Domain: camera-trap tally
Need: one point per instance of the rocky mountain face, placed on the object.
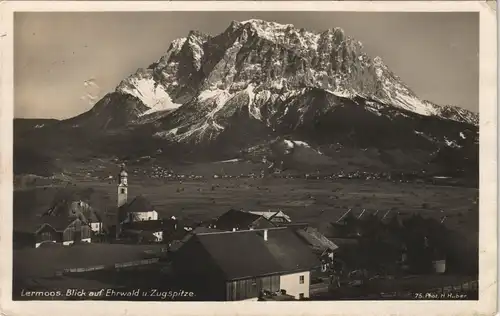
(260, 80)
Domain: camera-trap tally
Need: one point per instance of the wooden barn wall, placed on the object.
(250, 288)
(77, 231)
(47, 233)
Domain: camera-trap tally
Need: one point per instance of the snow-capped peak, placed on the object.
(213, 70)
(267, 24)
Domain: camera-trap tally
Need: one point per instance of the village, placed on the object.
(239, 255)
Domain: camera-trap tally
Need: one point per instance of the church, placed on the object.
(139, 209)
(137, 220)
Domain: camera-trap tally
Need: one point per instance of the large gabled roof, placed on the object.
(246, 254)
(59, 223)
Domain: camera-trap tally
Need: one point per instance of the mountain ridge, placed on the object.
(259, 80)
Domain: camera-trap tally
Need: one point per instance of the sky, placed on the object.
(65, 62)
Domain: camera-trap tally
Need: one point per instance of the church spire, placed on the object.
(122, 186)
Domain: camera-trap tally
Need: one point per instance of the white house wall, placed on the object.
(44, 242)
(96, 227)
(159, 236)
(70, 242)
(291, 284)
(144, 216)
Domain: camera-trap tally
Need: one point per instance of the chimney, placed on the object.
(265, 234)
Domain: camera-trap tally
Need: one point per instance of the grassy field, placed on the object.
(318, 202)
(31, 262)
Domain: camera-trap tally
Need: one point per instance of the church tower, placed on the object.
(122, 186)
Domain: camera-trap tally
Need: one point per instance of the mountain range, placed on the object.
(263, 90)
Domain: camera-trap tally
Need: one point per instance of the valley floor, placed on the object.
(317, 202)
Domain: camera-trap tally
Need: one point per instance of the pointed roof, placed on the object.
(59, 223)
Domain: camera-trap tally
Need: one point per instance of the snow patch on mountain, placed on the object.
(149, 92)
(253, 108)
(294, 144)
(219, 97)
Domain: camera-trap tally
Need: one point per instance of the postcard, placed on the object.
(248, 158)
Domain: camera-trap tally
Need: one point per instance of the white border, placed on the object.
(488, 168)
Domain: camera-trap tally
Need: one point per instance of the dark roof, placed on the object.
(150, 225)
(294, 225)
(315, 239)
(177, 244)
(344, 241)
(236, 219)
(246, 254)
(59, 223)
(138, 205)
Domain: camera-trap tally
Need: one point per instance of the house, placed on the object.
(246, 264)
(274, 216)
(64, 223)
(147, 231)
(77, 208)
(234, 220)
(61, 229)
(92, 217)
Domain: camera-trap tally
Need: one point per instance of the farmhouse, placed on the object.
(148, 231)
(66, 222)
(234, 220)
(53, 229)
(246, 265)
(92, 217)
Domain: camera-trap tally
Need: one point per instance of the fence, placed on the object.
(109, 267)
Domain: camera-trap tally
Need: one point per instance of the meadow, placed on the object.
(318, 202)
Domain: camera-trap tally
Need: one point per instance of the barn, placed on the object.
(246, 265)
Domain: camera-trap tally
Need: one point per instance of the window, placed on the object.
(301, 279)
(122, 191)
(301, 296)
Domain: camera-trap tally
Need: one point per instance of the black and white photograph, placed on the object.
(239, 155)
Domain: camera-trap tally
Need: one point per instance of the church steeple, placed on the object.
(122, 186)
